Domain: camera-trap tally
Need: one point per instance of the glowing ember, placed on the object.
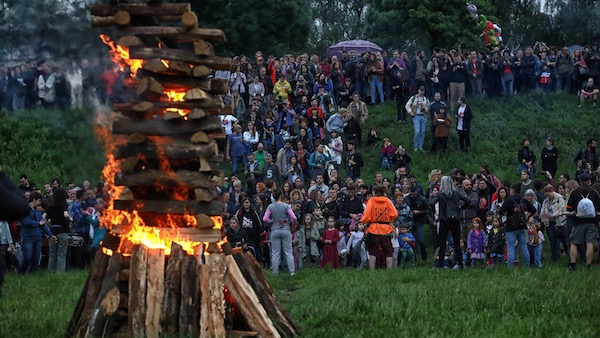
(175, 96)
(120, 56)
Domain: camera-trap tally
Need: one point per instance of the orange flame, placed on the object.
(175, 96)
(120, 56)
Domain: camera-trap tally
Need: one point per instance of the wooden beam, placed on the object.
(212, 208)
(155, 281)
(140, 9)
(189, 319)
(247, 301)
(175, 149)
(203, 48)
(189, 179)
(189, 20)
(214, 62)
(137, 290)
(165, 128)
(103, 316)
(214, 86)
(207, 235)
(172, 299)
(178, 33)
(212, 300)
(142, 109)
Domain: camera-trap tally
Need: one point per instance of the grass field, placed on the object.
(417, 302)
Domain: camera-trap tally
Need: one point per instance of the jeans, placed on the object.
(508, 84)
(281, 237)
(555, 241)
(419, 123)
(376, 86)
(563, 81)
(476, 86)
(535, 252)
(511, 238)
(57, 260)
(32, 249)
(464, 139)
(419, 234)
(410, 254)
(359, 85)
(235, 160)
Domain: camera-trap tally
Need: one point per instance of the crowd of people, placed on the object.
(60, 231)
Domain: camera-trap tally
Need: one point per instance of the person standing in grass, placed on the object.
(280, 216)
(516, 227)
(407, 243)
(379, 215)
(495, 242)
(418, 108)
(58, 218)
(331, 237)
(32, 228)
(463, 116)
(449, 199)
(585, 229)
(476, 243)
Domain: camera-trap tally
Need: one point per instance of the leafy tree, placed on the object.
(335, 21)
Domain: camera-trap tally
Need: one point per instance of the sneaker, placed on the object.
(579, 106)
(293, 274)
(594, 104)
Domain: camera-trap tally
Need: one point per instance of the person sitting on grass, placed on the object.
(588, 90)
(386, 153)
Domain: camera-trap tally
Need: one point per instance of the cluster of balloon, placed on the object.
(491, 32)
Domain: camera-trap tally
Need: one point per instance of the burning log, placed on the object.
(189, 234)
(150, 89)
(136, 139)
(129, 164)
(140, 9)
(130, 41)
(190, 179)
(215, 35)
(214, 62)
(120, 18)
(156, 127)
(171, 207)
(214, 86)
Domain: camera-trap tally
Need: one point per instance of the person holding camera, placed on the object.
(458, 78)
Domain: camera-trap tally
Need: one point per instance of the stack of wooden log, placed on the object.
(148, 294)
(165, 165)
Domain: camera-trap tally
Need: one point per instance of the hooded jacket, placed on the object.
(379, 215)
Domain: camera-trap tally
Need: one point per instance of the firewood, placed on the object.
(103, 21)
(203, 221)
(128, 126)
(139, 107)
(200, 137)
(124, 275)
(213, 86)
(128, 165)
(156, 66)
(205, 195)
(189, 319)
(180, 67)
(130, 41)
(201, 71)
(94, 285)
(189, 20)
(126, 195)
(212, 300)
(122, 18)
(140, 9)
(171, 115)
(190, 179)
(215, 35)
(203, 48)
(172, 299)
(214, 62)
(196, 94)
(137, 291)
(204, 165)
(247, 301)
(150, 89)
(191, 234)
(214, 106)
(172, 150)
(136, 138)
(103, 316)
(254, 275)
(197, 114)
(76, 316)
(212, 208)
(155, 280)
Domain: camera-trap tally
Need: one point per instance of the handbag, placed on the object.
(76, 241)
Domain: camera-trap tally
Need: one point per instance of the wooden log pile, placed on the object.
(165, 167)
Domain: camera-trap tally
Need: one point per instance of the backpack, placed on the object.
(517, 220)
(585, 208)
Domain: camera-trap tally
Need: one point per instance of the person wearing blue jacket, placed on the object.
(32, 228)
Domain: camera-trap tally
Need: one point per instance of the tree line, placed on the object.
(62, 29)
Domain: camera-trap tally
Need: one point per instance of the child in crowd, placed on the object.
(476, 243)
(310, 252)
(448, 258)
(489, 219)
(342, 243)
(373, 138)
(296, 243)
(495, 242)
(466, 256)
(535, 239)
(395, 246)
(407, 243)
(356, 244)
(316, 234)
(331, 237)
(236, 236)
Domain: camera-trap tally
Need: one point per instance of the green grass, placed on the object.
(417, 302)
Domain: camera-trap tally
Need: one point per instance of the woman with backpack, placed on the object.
(449, 199)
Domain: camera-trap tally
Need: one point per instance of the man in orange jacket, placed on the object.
(379, 216)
